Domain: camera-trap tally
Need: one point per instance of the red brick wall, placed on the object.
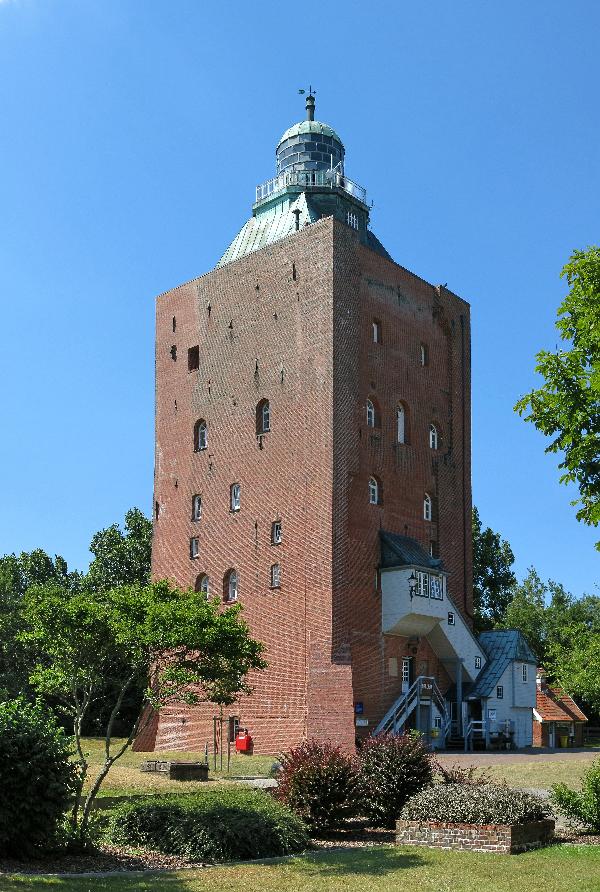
(507, 839)
(306, 345)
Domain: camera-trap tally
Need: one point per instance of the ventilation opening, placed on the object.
(193, 358)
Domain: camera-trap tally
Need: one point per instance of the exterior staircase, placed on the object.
(423, 692)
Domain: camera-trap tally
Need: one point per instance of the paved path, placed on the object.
(517, 758)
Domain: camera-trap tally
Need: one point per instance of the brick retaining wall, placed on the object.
(508, 839)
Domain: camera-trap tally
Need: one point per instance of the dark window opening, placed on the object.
(174, 352)
(193, 358)
(174, 323)
(451, 620)
(294, 271)
(263, 418)
(156, 510)
(500, 692)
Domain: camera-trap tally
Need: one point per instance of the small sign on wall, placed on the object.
(362, 723)
(359, 708)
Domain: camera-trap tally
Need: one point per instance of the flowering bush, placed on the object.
(475, 804)
(318, 782)
(581, 808)
(392, 769)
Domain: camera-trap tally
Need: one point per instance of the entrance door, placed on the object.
(551, 735)
(407, 674)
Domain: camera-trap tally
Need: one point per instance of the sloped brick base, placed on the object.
(508, 839)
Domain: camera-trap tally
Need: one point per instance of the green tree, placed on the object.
(567, 406)
(121, 558)
(86, 641)
(527, 612)
(493, 577)
(573, 659)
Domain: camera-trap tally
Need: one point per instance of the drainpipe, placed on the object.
(459, 696)
(484, 716)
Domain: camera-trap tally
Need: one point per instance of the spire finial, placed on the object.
(310, 103)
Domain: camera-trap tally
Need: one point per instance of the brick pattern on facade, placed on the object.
(292, 323)
(506, 839)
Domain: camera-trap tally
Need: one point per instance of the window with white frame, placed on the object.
(230, 585)
(352, 219)
(478, 662)
(263, 418)
(370, 414)
(196, 507)
(235, 497)
(374, 491)
(275, 575)
(524, 673)
(376, 331)
(424, 354)
(500, 692)
(437, 722)
(276, 532)
(427, 508)
(406, 669)
(433, 437)
(436, 587)
(451, 618)
(401, 424)
(200, 435)
(202, 584)
(422, 585)
(194, 548)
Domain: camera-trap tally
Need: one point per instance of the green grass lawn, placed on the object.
(361, 870)
(540, 773)
(126, 778)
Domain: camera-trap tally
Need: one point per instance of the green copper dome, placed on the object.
(309, 127)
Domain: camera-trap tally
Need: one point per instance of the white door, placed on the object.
(551, 735)
(405, 674)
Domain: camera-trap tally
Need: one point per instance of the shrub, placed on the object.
(38, 778)
(456, 774)
(219, 825)
(581, 808)
(392, 769)
(318, 782)
(472, 804)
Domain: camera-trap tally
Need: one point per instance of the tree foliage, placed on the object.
(121, 558)
(567, 406)
(493, 577)
(90, 642)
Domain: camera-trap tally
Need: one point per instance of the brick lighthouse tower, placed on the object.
(313, 461)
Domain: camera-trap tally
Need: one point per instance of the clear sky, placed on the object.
(132, 135)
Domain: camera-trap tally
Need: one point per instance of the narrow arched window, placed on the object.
(275, 576)
(263, 418)
(427, 507)
(375, 491)
(376, 329)
(200, 435)
(401, 424)
(235, 497)
(196, 507)
(424, 354)
(202, 585)
(370, 414)
(230, 585)
(433, 437)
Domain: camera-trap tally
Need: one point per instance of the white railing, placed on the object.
(329, 179)
(475, 729)
(423, 689)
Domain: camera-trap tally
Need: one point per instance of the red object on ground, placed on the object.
(244, 742)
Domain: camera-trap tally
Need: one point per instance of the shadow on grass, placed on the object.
(360, 862)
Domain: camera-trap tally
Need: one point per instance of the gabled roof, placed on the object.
(501, 648)
(402, 551)
(554, 705)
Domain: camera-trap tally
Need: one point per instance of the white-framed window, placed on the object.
(427, 512)
(202, 584)
(194, 548)
(406, 670)
(235, 492)
(276, 532)
(200, 435)
(196, 507)
(524, 673)
(433, 437)
(374, 491)
(352, 219)
(437, 722)
(436, 587)
(376, 331)
(230, 585)
(500, 692)
(275, 575)
(422, 586)
(424, 354)
(370, 414)
(451, 618)
(263, 417)
(478, 662)
(401, 424)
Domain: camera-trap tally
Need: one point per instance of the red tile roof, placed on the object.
(553, 705)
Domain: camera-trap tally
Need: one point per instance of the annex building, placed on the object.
(313, 462)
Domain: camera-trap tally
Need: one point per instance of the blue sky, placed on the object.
(132, 135)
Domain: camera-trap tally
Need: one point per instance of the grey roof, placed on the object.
(501, 648)
(309, 127)
(402, 551)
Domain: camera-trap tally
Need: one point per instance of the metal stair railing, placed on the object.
(395, 718)
(475, 727)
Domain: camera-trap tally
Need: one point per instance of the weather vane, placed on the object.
(311, 92)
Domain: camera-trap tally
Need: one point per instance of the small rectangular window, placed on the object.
(436, 589)
(437, 722)
(235, 497)
(276, 532)
(196, 507)
(156, 510)
(194, 548)
(193, 358)
(275, 576)
(451, 619)
(406, 669)
(478, 662)
(234, 725)
(422, 584)
(424, 354)
(524, 672)
(376, 331)
(500, 692)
